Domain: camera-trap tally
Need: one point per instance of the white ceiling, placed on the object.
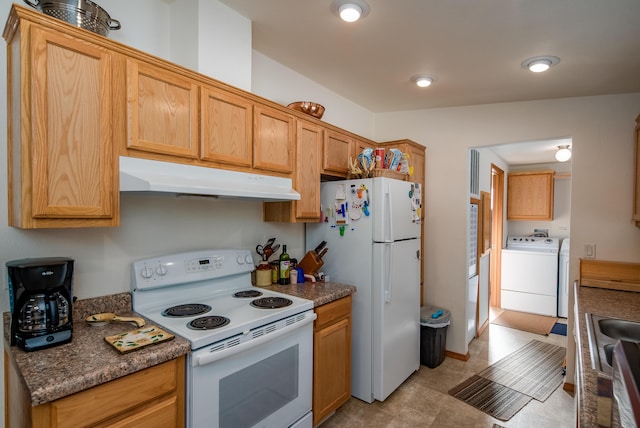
(474, 49)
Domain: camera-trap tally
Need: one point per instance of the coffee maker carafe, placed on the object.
(40, 292)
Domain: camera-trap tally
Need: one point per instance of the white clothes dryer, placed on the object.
(529, 281)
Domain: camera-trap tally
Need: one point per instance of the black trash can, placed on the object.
(433, 335)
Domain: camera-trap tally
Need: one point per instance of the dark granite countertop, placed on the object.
(610, 303)
(88, 361)
(320, 292)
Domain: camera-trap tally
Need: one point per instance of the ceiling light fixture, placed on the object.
(350, 10)
(422, 80)
(539, 64)
(563, 154)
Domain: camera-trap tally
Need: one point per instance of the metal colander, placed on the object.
(82, 13)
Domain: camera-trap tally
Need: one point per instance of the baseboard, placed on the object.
(455, 355)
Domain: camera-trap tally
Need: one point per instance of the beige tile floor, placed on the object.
(422, 400)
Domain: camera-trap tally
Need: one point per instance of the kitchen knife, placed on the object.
(320, 247)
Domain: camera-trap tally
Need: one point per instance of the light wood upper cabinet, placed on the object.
(162, 110)
(227, 135)
(417, 157)
(336, 151)
(306, 179)
(273, 138)
(359, 145)
(60, 116)
(307, 176)
(636, 183)
(530, 195)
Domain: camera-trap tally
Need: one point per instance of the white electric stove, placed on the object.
(207, 297)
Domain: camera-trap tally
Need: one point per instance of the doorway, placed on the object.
(497, 216)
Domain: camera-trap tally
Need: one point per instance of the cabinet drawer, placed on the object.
(116, 397)
(163, 414)
(332, 312)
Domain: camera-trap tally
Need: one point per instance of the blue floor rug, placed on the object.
(560, 329)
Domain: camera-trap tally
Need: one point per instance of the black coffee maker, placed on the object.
(40, 295)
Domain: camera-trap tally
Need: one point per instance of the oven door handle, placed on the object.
(201, 360)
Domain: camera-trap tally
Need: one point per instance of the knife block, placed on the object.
(310, 263)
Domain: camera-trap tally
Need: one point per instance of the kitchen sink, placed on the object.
(604, 333)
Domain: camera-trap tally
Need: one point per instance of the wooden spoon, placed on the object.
(103, 318)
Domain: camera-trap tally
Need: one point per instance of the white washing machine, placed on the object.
(563, 280)
(529, 280)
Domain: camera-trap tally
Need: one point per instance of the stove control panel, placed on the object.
(189, 266)
(204, 264)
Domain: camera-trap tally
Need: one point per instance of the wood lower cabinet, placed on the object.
(331, 357)
(530, 195)
(150, 398)
(306, 179)
(61, 155)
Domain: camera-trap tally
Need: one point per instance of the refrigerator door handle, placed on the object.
(389, 210)
(387, 286)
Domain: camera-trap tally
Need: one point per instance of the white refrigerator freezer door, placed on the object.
(395, 315)
(392, 208)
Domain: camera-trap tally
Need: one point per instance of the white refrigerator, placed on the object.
(372, 230)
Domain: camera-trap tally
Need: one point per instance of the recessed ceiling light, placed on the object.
(539, 64)
(563, 154)
(422, 80)
(350, 10)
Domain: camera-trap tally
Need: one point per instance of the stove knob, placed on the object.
(146, 272)
(240, 260)
(161, 270)
(248, 259)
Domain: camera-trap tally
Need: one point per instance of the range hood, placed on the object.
(143, 175)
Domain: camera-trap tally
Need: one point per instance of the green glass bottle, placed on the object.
(284, 267)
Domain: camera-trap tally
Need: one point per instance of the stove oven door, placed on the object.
(265, 381)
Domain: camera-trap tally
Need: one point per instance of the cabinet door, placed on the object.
(307, 175)
(227, 135)
(273, 139)
(336, 151)
(359, 146)
(530, 196)
(636, 183)
(417, 160)
(331, 368)
(162, 111)
(72, 157)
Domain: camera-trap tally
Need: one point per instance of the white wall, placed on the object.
(601, 185)
(278, 83)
